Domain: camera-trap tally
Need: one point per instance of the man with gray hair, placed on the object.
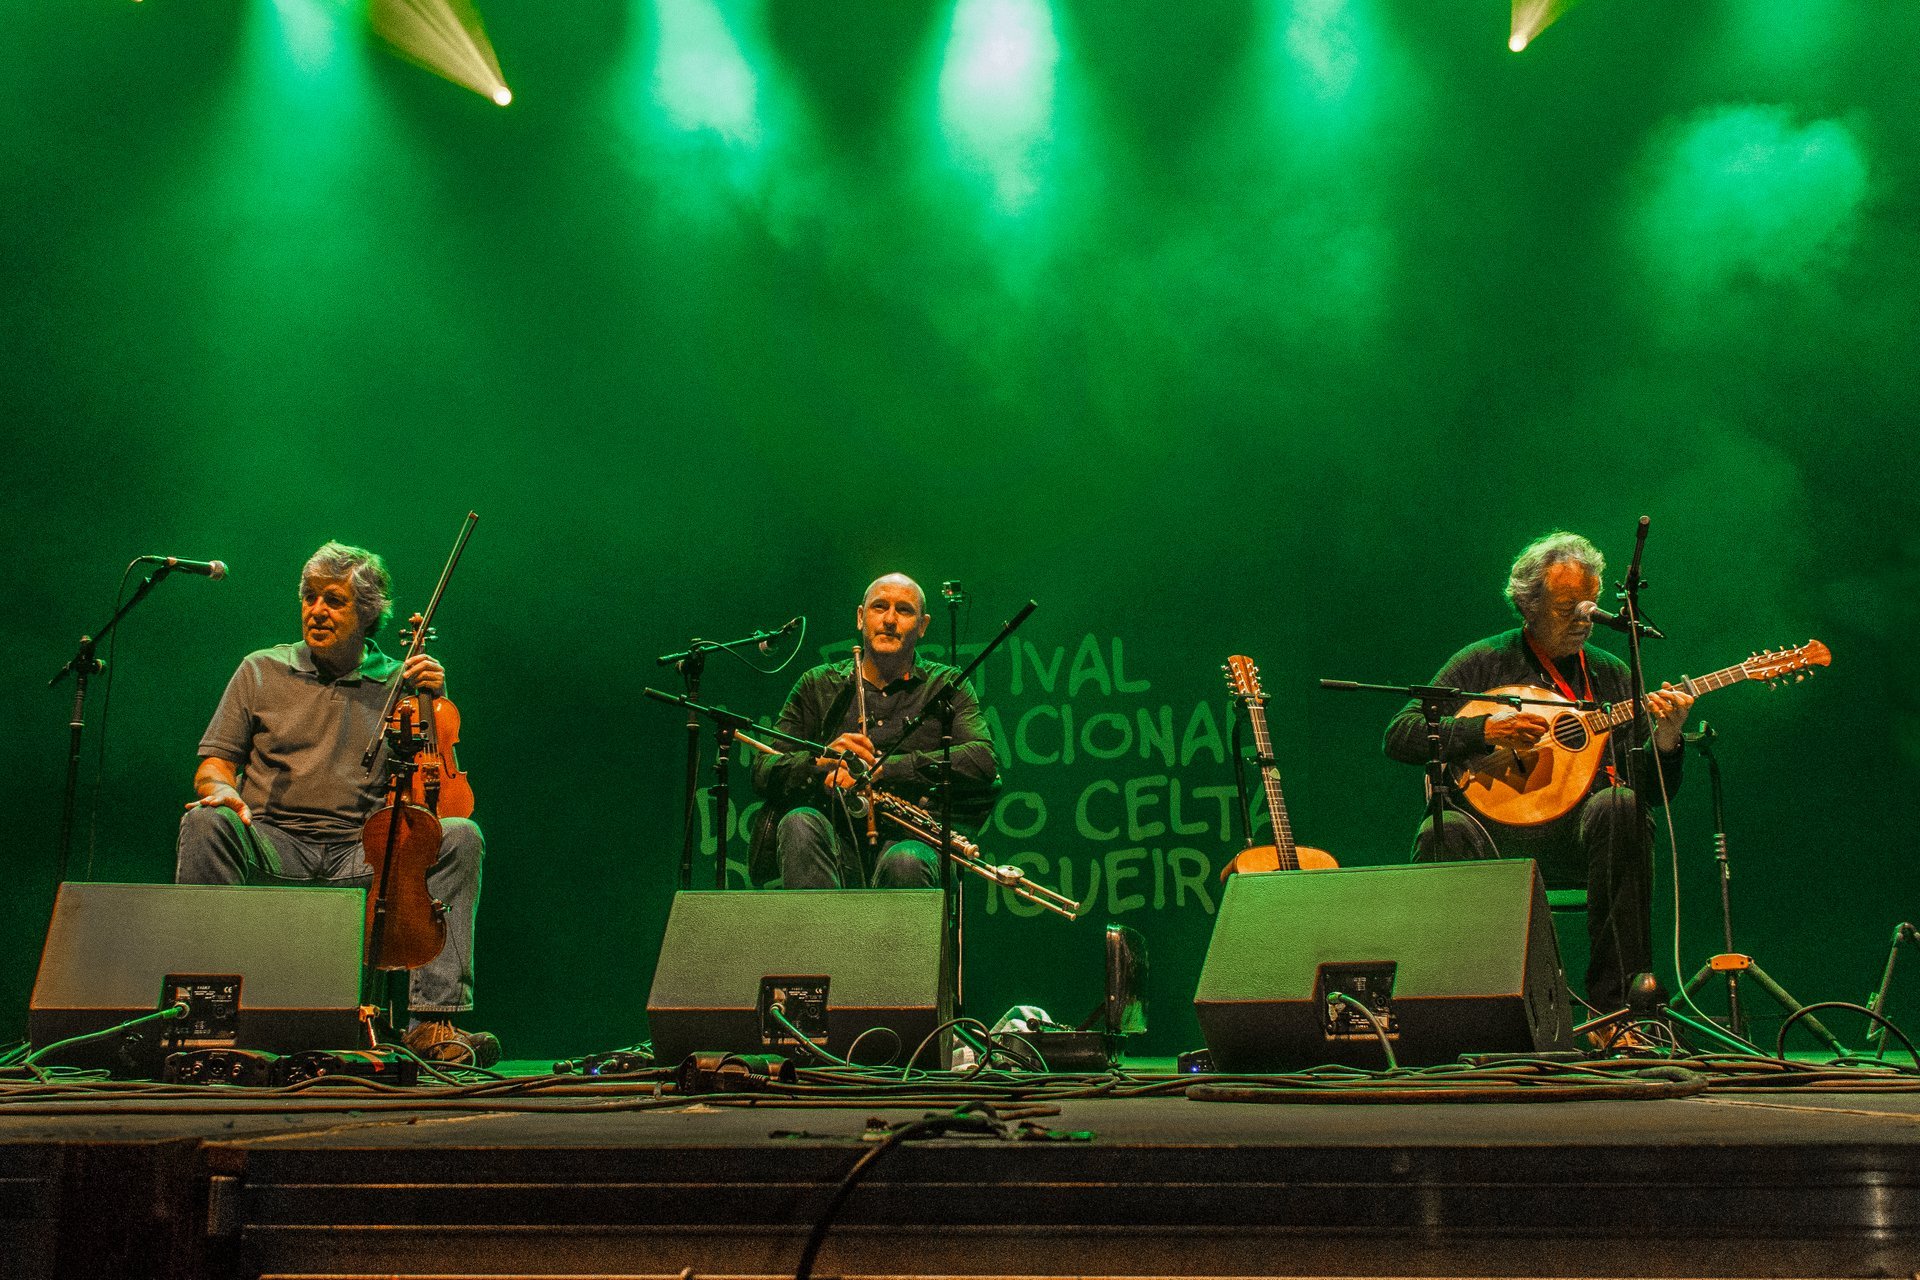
(282, 794)
(818, 842)
(1604, 844)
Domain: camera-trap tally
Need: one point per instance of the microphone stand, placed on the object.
(1704, 741)
(691, 662)
(727, 726)
(84, 665)
(941, 704)
(1628, 593)
(950, 884)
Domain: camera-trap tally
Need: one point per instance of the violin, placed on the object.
(438, 783)
(406, 928)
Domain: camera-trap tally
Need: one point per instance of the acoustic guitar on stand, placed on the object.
(1528, 786)
(1243, 680)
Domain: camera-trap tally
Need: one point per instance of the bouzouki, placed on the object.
(1243, 679)
(1528, 786)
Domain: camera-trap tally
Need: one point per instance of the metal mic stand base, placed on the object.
(1734, 965)
(1877, 1035)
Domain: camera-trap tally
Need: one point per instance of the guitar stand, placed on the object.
(1877, 1035)
(1732, 964)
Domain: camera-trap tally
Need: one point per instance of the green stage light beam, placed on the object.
(445, 37)
(997, 85)
(701, 79)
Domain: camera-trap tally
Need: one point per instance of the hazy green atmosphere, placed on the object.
(1265, 327)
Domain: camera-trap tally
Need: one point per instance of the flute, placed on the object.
(860, 701)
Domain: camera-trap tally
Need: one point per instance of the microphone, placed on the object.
(1639, 546)
(1588, 611)
(792, 625)
(215, 569)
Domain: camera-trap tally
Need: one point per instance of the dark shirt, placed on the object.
(1508, 659)
(822, 707)
(297, 740)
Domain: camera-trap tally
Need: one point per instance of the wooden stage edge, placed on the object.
(1789, 1182)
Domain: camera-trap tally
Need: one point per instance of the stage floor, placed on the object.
(623, 1178)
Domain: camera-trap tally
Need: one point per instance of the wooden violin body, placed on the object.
(405, 927)
(438, 784)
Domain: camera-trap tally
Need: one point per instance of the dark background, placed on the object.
(1269, 328)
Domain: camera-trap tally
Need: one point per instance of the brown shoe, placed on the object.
(438, 1040)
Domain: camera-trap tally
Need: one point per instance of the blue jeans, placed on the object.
(813, 855)
(214, 848)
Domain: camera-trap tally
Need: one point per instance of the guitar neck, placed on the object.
(1270, 778)
(1621, 712)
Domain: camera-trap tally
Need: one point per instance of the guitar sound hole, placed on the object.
(1569, 732)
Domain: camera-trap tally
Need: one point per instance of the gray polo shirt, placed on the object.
(297, 740)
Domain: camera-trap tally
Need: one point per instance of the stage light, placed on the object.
(1530, 18)
(445, 37)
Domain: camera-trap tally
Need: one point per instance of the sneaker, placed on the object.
(438, 1040)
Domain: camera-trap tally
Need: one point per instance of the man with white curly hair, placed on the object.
(1605, 843)
(282, 794)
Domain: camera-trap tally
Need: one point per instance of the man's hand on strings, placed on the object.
(1516, 729)
(1669, 707)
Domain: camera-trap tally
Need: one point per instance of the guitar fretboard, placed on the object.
(1270, 778)
(1621, 712)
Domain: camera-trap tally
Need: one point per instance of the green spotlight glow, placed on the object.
(997, 93)
(700, 77)
(308, 36)
(1323, 43)
(1749, 193)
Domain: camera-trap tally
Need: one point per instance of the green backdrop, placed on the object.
(1271, 328)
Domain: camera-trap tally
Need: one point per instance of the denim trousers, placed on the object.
(813, 855)
(216, 848)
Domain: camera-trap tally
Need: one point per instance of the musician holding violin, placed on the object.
(283, 795)
(817, 829)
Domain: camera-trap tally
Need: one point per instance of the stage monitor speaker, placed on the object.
(110, 947)
(879, 951)
(1456, 958)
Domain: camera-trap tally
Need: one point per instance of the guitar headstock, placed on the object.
(1243, 680)
(1776, 665)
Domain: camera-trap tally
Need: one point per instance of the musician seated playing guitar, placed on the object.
(1534, 798)
(814, 829)
(283, 795)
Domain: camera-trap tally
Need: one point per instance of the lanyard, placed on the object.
(1566, 690)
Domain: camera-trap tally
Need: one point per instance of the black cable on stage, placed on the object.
(959, 1120)
(1780, 1044)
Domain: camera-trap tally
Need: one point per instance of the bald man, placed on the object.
(812, 834)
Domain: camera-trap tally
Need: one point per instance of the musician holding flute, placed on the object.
(822, 834)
